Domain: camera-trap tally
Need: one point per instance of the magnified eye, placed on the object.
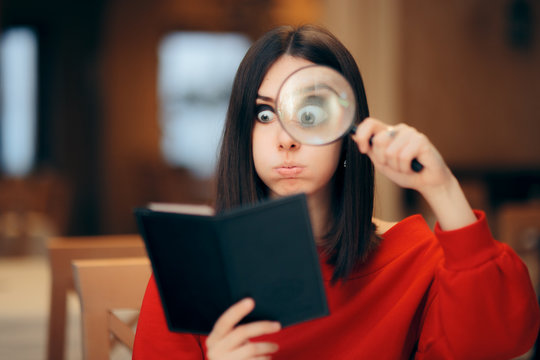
(311, 115)
(265, 114)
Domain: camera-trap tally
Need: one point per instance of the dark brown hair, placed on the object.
(351, 236)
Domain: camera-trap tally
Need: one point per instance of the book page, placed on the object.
(193, 209)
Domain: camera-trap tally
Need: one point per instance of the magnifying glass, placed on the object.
(316, 106)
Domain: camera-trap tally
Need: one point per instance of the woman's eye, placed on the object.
(311, 115)
(265, 116)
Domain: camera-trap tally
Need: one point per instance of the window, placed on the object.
(18, 85)
(196, 72)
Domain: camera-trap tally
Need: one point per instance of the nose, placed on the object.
(286, 142)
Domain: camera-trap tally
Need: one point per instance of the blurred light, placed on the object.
(18, 83)
(196, 72)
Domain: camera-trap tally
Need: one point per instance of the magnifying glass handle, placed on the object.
(416, 166)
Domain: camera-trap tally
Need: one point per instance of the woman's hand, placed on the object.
(228, 340)
(392, 150)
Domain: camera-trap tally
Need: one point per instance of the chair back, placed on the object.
(62, 251)
(519, 227)
(105, 285)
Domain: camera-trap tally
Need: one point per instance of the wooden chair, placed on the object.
(104, 285)
(62, 251)
(32, 209)
(518, 225)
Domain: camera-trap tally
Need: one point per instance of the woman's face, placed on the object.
(283, 164)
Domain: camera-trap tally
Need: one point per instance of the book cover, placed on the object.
(205, 263)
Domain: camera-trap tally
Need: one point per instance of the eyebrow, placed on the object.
(320, 86)
(265, 98)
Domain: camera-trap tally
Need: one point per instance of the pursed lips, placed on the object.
(289, 170)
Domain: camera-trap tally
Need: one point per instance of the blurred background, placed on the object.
(106, 105)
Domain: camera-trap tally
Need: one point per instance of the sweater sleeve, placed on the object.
(153, 340)
(481, 304)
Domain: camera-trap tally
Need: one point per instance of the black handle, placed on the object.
(416, 166)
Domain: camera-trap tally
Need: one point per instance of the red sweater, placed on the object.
(444, 295)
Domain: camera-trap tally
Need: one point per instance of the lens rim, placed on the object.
(352, 103)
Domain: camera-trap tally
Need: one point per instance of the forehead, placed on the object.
(278, 72)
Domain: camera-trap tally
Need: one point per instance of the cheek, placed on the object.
(259, 146)
(328, 160)
(333, 155)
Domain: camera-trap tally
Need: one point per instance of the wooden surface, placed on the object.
(62, 251)
(104, 285)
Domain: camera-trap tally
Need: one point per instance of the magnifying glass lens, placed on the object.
(316, 105)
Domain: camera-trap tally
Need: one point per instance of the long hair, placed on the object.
(351, 235)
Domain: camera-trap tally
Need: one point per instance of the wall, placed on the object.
(133, 171)
(445, 67)
(450, 70)
(463, 82)
(370, 30)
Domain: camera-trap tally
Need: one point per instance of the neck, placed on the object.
(319, 205)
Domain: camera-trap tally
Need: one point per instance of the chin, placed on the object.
(281, 192)
(289, 191)
(311, 190)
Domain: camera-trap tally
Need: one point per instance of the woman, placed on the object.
(395, 291)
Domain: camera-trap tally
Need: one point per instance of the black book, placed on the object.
(203, 264)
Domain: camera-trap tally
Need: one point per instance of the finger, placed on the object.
(241, 334)
(400, 138)
(254, 349)
(365, 131)
(380, 143)
(228, 320)
(407, 154)
(413, 150)
(361, 136)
